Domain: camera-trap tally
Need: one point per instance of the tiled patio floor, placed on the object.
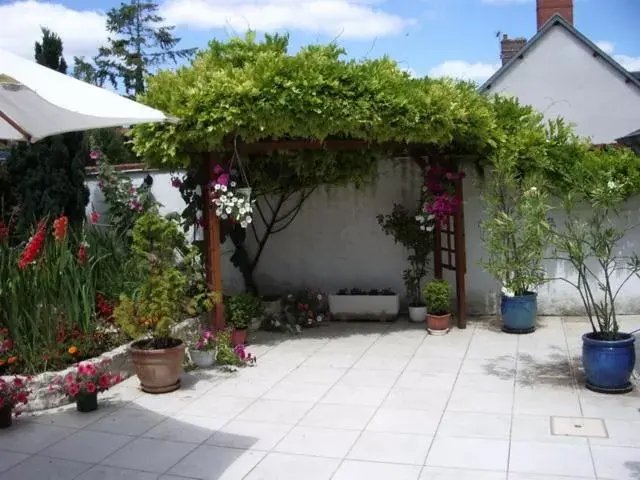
(350, 402)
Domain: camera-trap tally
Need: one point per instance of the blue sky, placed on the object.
(435, 37)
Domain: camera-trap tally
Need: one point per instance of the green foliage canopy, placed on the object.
(257, 90)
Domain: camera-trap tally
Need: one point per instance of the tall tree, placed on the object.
(47, 178)
(139, 40)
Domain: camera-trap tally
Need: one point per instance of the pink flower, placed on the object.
(95, 216)
(91, 387)
(104, 381)
(94, 155)
(73, 389)
(223, 179)
(116, 379)
(69, 379)
(217, 169)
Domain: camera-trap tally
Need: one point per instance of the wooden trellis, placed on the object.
(450, 254)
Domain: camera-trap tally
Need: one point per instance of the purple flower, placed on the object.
(223, 179)
(217, 169)
(176, 182)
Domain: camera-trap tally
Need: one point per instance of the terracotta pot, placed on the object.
(87, 402)
(438, 322)
(158, 369)
(5, 416)
(239, 337)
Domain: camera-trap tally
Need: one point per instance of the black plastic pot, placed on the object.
(5, 416)
(87, 402)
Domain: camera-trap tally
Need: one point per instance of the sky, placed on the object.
(458, 38)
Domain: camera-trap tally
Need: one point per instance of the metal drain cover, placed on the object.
(578, 427)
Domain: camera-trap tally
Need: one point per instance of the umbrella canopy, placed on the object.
(36, 102)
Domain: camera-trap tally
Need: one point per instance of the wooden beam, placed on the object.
(460, 258)
(212, 242)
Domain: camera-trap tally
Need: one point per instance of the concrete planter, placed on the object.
(364, 307)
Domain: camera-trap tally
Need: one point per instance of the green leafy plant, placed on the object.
(591, 241)
(413, 231)
(516, 227)
(159, 300)
(437, 294)
(242, 308)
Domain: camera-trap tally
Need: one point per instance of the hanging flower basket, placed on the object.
(229, 200)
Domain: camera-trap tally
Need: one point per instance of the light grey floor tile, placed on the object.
(249, 435)
(550, 459)
(44, 468)
(439, 473)
(9, 459)
(391, 447)
(149, 455)
(616, 463)
(87, 445)
(323, 442)
(101, 472)
(217, 463)
(31, 437)
(275, 411)
(282, 466)
(420, 422)
(351, 417)
(475, 425)
(479, 453)
(359, 470)
(186, 428)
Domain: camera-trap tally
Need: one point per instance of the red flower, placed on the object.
(4, 231)
(31, 251)
(73, 389)
(104, 381)
(60, 227)
(95, 216)
(91, 387)
(82, 254)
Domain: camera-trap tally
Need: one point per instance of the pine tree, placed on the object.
(47, 177)
(138, 42)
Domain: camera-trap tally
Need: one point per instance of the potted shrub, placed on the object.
(242, 309)
(84, 384)
(437, 294)
(14, 395)
(515, 231)
(205, 350)
(157, 303)
(360, 304)
(591, 242)
(305, 308)
(412, 230)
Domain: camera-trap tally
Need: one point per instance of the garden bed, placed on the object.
(43, 398)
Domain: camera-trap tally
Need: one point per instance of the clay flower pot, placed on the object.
(158, 369)
(439, 323)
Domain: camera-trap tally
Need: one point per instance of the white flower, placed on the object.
(290, 296)
(218, 212)
(248, 219)
(431, 216)
(228, 210)
(319, 297)
(533, 189)
(419, 218)
(217, 186)
(612, 185)
(233, 184)
(223, 216)
(243, 224)
(430, 228)
(423, 228)
(223, 188)
(319, 318)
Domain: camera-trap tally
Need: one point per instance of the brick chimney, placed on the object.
(509, 47)
(545, 9)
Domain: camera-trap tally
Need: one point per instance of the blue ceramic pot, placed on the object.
(608, 363)
(519, 313)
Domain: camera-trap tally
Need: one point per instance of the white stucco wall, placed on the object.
(335, 242)
(560, 77)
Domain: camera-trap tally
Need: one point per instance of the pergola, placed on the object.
(449, 239)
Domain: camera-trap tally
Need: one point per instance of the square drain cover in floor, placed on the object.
(578, 427)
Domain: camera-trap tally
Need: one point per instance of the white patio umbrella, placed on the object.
(36, 102)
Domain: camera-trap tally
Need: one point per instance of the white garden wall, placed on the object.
(335, 242)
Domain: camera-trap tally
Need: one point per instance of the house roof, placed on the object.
(553, 21)
(631, 140)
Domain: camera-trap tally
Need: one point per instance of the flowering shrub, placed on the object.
(230, 355)
(207, 342)
(88, 378)
(439, 190)
(229, 200)
(245, 357)
(305, 308)
(14, 394)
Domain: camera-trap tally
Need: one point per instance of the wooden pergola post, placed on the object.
(212, 242)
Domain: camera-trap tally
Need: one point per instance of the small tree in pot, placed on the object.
(437, 294)
(413, 230)
(241, 309)
(516, 231)
(157, 303)
(591, 242)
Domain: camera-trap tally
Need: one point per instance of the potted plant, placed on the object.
(360, 304)
(157, 303)
(305, 308)
(592, 246)
(205, 350)
(14, 394)
(413, 230)
(85, 383)
(242, 308)
(516, 232)
(437, 294)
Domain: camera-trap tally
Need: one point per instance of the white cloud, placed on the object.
(462, 70)
(627, 62)
(348, 18)
(82, 31)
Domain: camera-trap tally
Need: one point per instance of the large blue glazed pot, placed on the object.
(608, 363)
(519, 313)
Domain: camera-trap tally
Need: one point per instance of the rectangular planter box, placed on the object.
(364, 307)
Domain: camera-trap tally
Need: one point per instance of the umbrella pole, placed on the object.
(27, 136)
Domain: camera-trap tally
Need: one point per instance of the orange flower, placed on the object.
(60, 226)
(11, 360)
(73, 350)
